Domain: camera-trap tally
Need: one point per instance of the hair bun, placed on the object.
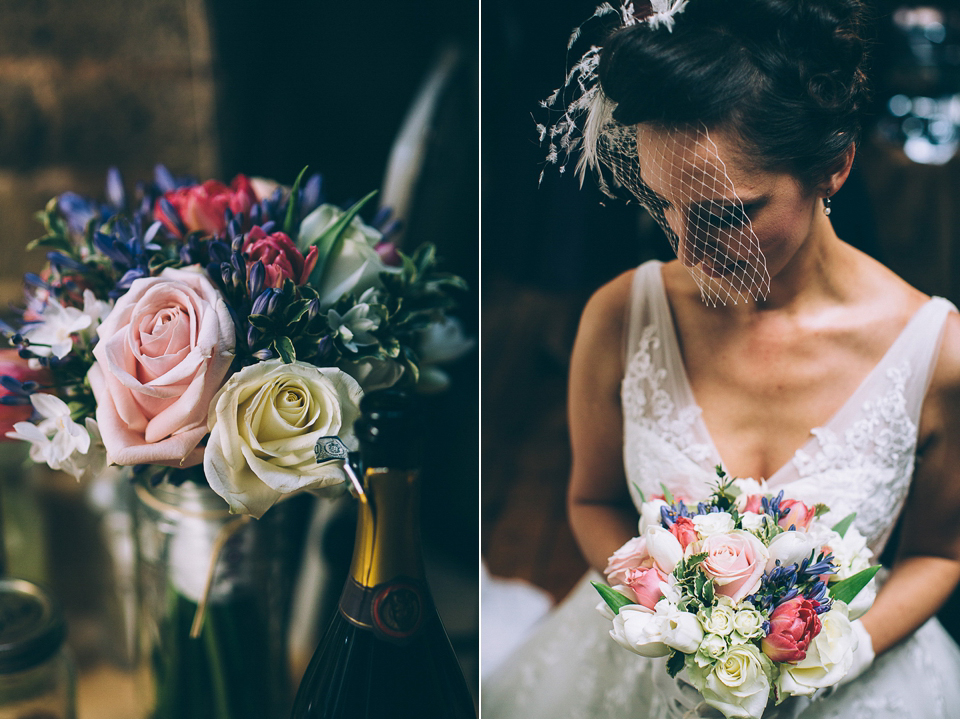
(791, 67)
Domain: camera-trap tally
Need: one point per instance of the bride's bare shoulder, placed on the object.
(603, 323)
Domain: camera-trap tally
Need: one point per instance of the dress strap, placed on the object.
(646, 296)
(919, 346)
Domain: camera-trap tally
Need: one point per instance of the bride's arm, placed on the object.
(927, 568)
(598, 503)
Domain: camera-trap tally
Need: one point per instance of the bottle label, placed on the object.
(392, 610)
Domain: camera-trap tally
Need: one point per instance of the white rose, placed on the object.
(718, 619)
(828, 659)
(264, 423)
(791, 547)
(650, 514)
(752, 522)
(636, 628)
(712, 647)
(664, 548)
(679, 630)
(738, 684)
(356, 266)
(713, 523)
(747, 624)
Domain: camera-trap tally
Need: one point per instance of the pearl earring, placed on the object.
(826, 205)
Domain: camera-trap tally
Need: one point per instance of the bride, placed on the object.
(770, 347)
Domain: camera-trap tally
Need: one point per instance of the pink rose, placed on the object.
(793, 625)
(202, 207)
(645, 583)
(798, 514)
(12, 365)
(163, 353)
(685, 531)
(735, 562)
(280, 257)
(631, 555)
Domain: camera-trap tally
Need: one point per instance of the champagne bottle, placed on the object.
(385, 653)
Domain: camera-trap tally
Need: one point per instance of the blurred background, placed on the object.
(212, 88)
(547, 248)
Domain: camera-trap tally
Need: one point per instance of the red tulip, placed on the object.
(793, 625)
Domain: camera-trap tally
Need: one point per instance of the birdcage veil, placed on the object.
(676, 173)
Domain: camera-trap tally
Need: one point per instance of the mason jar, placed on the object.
(37, 677)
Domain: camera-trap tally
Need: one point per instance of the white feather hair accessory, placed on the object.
(702, 215)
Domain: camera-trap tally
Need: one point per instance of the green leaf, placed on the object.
(639, 492)
(695, 559)
(675, 663)
(53, 241)
(284, 348)
(667, 495)
(331, 238)
(708, 593)
(847, 589)
(843, 525)
(292, 205)
(297, 310)
(261, 322)
(614, 599)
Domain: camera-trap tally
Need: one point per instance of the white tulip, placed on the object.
(791, 548)
(650, 514)
(637, 628)
(679, 630)
(665, 549)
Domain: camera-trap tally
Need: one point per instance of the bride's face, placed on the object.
(733, 223)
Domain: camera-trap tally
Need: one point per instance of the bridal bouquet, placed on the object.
(208, 337)
(750, 595)
(228, 326)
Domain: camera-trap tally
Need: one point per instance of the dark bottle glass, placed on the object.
(386, 654)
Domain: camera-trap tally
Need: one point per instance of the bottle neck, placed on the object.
(386, 591)
(387, 543)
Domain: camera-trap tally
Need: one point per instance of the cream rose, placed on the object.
(738, 684)
(264, 424)
(718, 619)
(163, 353)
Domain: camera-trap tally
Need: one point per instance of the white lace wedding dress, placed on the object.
(861, 460)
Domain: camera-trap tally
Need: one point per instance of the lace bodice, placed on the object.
(861, 460)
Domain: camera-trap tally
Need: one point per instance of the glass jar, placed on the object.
(214, 601)
(37, 679)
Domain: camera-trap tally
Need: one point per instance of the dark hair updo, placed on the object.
(784, 74)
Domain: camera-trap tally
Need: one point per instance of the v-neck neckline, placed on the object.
(672, 339)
